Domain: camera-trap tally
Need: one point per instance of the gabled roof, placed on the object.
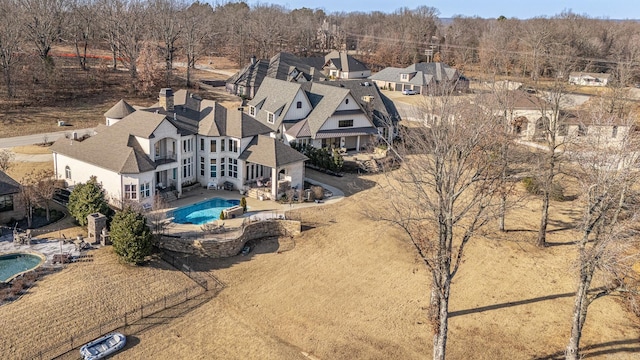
(115, 147)
(281, 64)
(220, 121)
(381, 109)
(8, 185)
(119, 110)
(267, 151)
(274, 96)
(513, 100)
(344, 62)
(251, 75)
(422, 74)
(325, 100)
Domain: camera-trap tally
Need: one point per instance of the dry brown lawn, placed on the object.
(80, 297)
(19, 170)
(353, 288)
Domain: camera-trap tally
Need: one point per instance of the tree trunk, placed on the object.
(579, 314)
(440, 337)
(542, 233)
(503, 212)
(7, 82)
(47, 208)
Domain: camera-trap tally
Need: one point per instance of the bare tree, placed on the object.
(43, 25)
(607, 249)
(44, 187)
(551, 130)
(6, 159)
(194, 22)
(82, 26)
(443, 192)
(167, 28)
(10, 41)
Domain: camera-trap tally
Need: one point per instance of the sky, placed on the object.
(522, 9)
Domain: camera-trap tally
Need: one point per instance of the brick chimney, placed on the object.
(166, 99)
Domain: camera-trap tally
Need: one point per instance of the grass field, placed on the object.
(350, 288)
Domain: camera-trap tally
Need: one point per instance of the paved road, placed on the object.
(39, 138)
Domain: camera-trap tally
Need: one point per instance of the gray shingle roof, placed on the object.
(115, 147)
(8, 185)
(267, 151)
(382, 110)
(344, 62)
(251, 75)
(274, 96)
(119, 110)
(423, 74)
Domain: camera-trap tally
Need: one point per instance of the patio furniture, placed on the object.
(228, 186)
(212, 185)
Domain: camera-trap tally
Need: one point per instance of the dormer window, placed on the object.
(299, 105)
(404, 77)
(270, 118)
(252, 110)
(346, 101)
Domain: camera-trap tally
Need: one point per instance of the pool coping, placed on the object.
(42, 257)
(171, 211)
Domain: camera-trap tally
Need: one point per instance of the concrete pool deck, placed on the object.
(46, 247)
(256, 209)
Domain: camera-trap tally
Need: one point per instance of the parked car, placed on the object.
(408, 92)
(245, 250)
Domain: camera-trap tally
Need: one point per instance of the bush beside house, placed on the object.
(131, 236)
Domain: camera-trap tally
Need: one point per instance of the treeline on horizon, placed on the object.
(139, 33)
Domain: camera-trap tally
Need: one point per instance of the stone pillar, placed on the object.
(95, 223)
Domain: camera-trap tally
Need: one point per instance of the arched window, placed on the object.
(67, 172)
(346, 101)
(299, 105)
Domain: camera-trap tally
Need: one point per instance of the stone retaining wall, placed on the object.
(217, 248)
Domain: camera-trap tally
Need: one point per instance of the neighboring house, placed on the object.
(340, 65)
(589, 79)
(10, 205)
(283, 66)
(423, 78)
(324, 115)
(525, 112)
(579, 127)
(181, 141)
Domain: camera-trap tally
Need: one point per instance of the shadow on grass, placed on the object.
(610, 348)
(509, 304)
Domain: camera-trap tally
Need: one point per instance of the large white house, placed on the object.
(181, 141)
(344, 114)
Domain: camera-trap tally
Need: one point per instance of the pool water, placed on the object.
(202, 212)
(12, 264)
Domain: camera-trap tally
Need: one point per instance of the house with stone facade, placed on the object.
(181, 142)
(344, 115)
(10, 205)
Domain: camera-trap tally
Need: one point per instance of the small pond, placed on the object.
(16, 263)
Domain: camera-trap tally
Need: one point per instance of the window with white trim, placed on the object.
(270, 118)
(222, 145)
(67, 172)
(299, 105)
(201, 166)
(145, 190)
(130, 192)
(404, 77)
(213, 168)
(233, 168)
(222, 167)
(214, 146)
(187, 145)
(201, 144)
(233, 145)
(187, 170)
(252, 110)
(345, 123)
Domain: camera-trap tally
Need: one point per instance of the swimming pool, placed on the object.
(14, 264)
(202, 212)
